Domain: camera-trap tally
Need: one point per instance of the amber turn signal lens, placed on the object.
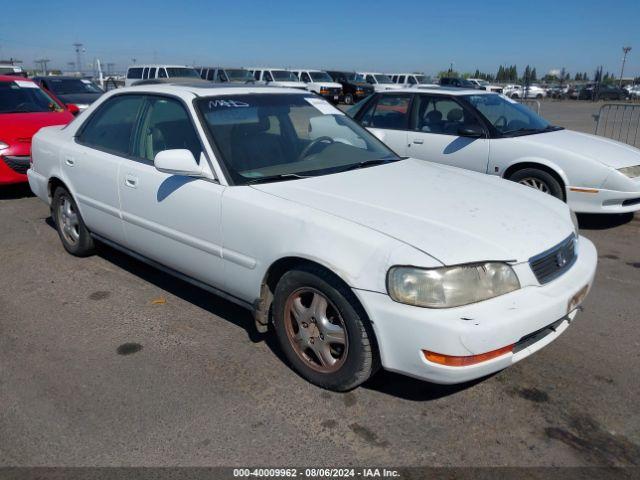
(453, 361)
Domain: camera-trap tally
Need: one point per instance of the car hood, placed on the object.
(453, 215)
(288, 84)
(20, 127)
(79, 98)
(600, 149)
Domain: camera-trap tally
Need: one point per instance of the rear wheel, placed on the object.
(321, 330)
(539, 180)
(73, 233)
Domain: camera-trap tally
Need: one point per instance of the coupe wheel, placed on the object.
(322, 331)
(73, 233)
(539, 180)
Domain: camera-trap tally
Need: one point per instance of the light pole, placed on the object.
(626, 50)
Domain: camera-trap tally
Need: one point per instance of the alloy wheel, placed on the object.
(535, 183)
(316, 330)
(68, 220)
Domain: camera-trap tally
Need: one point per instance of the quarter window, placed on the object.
(166, 125)
(111, 126)
(390, 112)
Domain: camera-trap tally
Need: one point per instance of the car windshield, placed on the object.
(24, 96)
(239, 75)
(66, 86)
(320, 77)
(422, 79)
(383, 79)
(352, 77)
(284, 76)
(359, 78)
(182, 72)
(482, 83)
(509, 117)
(271, 137)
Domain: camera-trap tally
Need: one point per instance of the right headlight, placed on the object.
(448, 287)
(631, 172)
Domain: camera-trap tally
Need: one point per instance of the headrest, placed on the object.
(434, 116)
(455, 115)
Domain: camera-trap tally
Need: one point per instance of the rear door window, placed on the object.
(110, 128)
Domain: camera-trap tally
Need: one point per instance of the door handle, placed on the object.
(418, 142)
(131, 181)
(69, 161)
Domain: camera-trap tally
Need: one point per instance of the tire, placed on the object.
(348, 99)
(540, 180)
(539, 96)
(316, 295)
(515, 95)
(73, 233)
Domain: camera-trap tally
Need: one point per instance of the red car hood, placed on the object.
(18, 128)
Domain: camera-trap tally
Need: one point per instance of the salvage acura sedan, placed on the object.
(274, 199)
(493, 134)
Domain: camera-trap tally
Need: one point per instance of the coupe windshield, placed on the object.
(320, 77)
(383, 79)
(182, 72)
(508, 116)
(23, 97)
(239, 75)
(281, 136)
(66, 86)
(284, 76)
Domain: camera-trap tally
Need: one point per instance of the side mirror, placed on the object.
(471, 132)
(73, 109)
(177, 162)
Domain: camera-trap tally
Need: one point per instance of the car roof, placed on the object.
(151, 65)
(59, 77)
(448, 90)
(13, 78)
(206, 89)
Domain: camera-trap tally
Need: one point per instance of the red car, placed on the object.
(24, 109)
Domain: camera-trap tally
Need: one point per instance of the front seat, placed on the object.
(432, 122)
(252, 147)
(454, 121)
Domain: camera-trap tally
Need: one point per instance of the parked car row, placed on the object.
(355, 255)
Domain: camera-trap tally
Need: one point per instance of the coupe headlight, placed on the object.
(631, 172)
(3, 146)
(448, 287)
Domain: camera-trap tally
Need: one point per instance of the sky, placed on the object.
(407, 35)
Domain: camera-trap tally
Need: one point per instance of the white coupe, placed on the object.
(493, 134)
(274, 199)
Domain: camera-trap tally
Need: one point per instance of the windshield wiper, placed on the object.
(371, 163)
(277, 178)
(525, 131)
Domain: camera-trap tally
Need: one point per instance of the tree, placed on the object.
(534, 75)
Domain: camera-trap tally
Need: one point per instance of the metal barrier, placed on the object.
(532, 104)
(619, 121)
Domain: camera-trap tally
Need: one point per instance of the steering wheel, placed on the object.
(504, 121)
(315, 142)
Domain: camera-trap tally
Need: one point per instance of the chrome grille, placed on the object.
(555, 261)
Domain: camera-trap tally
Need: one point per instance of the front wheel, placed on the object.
(539, 180)
(321, 330)
(73, 233)
(348, 99)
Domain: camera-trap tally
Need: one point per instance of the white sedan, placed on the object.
(274, 199)
(490, 133)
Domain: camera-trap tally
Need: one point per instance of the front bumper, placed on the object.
(14, 173)
(404, 331)
(589, 200)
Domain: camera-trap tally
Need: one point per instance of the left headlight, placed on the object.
(631, 172)
(3, 146)
(576, 225)
(448, 287)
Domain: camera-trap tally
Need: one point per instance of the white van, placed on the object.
(136, 73)
(380, 81)
(319, 82)
(277, 77)
(412, 80)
